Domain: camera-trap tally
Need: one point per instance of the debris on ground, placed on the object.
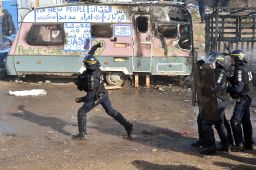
(33, 92)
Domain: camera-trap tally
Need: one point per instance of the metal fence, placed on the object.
(228, 29)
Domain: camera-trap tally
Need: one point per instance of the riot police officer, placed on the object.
(92, 82)
(238, 89)
(217, 61)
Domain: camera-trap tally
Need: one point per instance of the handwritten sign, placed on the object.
(78, 36)
(83, 13)
(122, 30)
(46, 14)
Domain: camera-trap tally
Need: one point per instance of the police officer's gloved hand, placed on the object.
(98, 45)
(78, 100)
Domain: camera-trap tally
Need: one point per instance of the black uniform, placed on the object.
(208, 133)
(205, 131)
(239, 91)
(92, 82)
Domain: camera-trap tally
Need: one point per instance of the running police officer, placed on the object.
(238, 89)
(92, 82)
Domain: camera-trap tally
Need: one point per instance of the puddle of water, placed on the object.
(5, 128)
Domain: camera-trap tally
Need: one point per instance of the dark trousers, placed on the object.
(201, 131)
(200, 128)
(208, 132)
(241, 115)
(229, 131)
(201, 5)
(90, 104)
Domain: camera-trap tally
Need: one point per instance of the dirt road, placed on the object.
(35, 132)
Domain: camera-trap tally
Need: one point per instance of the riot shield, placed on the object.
(206, 93)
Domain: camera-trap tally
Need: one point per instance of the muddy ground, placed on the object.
(35, 132)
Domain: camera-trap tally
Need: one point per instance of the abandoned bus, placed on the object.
(152, 38)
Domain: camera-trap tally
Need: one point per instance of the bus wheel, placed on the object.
(115, 78)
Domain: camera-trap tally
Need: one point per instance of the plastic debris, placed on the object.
(33, 92)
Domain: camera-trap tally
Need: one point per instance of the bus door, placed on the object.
(142, 49)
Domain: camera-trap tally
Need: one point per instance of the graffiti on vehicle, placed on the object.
(78, 36)
(44, 51)
(123, 30)
(91, 13)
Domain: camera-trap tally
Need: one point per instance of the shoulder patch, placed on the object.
(220, 78)
(239, 75)
(250, 75)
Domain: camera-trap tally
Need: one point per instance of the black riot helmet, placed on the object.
(238, 56)
(217, 59)
(91, 62)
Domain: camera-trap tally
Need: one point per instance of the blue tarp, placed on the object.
(11, 7)
(4, 49)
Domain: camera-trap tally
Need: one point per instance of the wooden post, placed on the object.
(37, 3)
(147, 80)
(136, 80)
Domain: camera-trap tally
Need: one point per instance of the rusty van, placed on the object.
(154, 38)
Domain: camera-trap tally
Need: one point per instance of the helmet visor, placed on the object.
(240, 56)
(91, 62)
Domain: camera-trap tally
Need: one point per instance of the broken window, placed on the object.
(142, 24)
(185, 37)
(102, 30)
(168, 31)
(46, 34)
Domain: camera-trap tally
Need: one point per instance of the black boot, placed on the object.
(209, 151)
(129, 128)
(224, 148)
(237, 148)
(127, 125)
(198, 144)
(80, 136)
(248, 146)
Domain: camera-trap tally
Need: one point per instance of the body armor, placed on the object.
(221, 83)
(100, 83)
(91, 80)
(239, 82)
(85, 81)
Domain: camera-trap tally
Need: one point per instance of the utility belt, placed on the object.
(98, 97)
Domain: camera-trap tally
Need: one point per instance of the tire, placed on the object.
(115, 78)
